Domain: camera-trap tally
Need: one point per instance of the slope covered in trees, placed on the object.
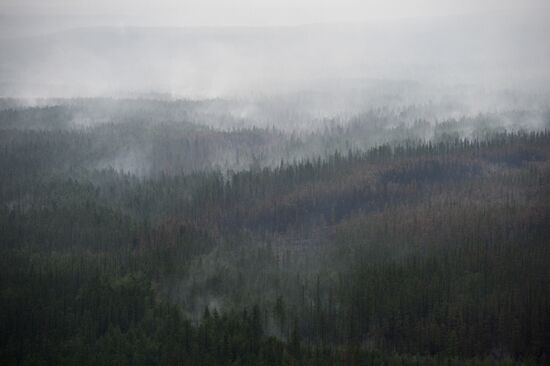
(409, 252)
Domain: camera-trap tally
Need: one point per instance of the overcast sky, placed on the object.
(254, 12)
(507, 43)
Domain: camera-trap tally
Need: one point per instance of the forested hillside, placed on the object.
(157, 237)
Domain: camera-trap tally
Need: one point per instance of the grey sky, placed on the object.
(254, 12)
(104, 47)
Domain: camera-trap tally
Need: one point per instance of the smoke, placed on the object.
(495, 51)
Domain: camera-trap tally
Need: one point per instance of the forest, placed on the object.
(173, 232)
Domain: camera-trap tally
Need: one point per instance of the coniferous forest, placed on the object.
(274, 183)
(156, 237)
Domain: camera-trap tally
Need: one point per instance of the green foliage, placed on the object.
(414, 254)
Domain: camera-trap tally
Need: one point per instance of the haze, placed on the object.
(208, 49)
(257, 13)
(283, 183)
